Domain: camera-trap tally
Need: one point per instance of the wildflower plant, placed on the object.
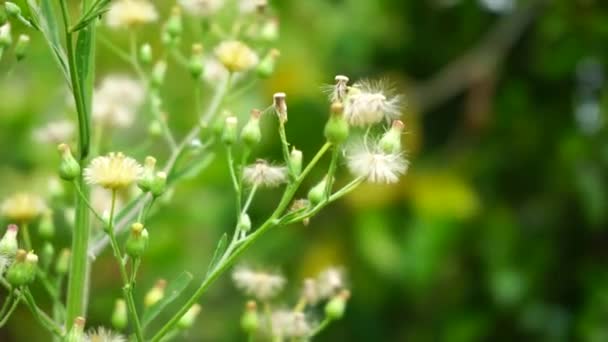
(117, 193)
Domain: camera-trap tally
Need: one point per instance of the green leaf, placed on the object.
(219, 251)
(175, 288)
(96, 10)
(85, 65)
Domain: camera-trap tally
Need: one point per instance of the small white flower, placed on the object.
(330, 282)
(263, 174)
(369, 102)
(116, 101)
(129, 13)
(201, 8)
(373, 164)
(54, 132)
(214, 72)
(250, 6)
(261, 285)
(113, 171)
(102, 334)
(289, 324)
(236, 56)
(22, 207)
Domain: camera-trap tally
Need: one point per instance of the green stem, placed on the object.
(235, 179)
(27, 241)
(7, 303)
(42, 318)
(320, 327)
(10, 311)
(88, 204)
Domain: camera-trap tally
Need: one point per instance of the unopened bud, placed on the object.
(46, 227)
(119, 315)
(391, 140)
(23, 270)
(145, 54)
(336, 129)
(138, 241)
(244, 223)
(69, 168)
(318, 192)
(48, 252)
(230, 130)
(280, 106)
(187, 320)
(76, 333)
(250, 321)
(295, 162)
(155, 128)
(218, 124)
(174, 24)
(12, 9)
(270, 30)
(5, 35)
(156, 293)
(23, 42)
(62, 264)
(159, 184)
(8, 243)
(195, 65)
(251, 134)
(158, 73)
(267, 65)
(334, 309)
(147, 177)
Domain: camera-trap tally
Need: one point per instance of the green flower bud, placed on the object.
(391, 140)
(334, 309)
(23, 42)
(251, 134)
(218, 125)
(147, 177)
(155, 128)
(174, 25)
(270, 30)
(229, 134)
(138, 241)
(267, 65)
(145, 54)
(156, 293)
(12, 9)
(187, 320)
(317, 193)
(48, 252)
(62, 265)
(23, 270)
(250, 321)
(159, 184)
(69, 168)
(8, 243)
(336, 129)
(5, 35)
(158, 73)
(280, 106)
(46, 227)
(119, 315)
(295, 162)
(76, 333)
(244, 223)
(195, 65)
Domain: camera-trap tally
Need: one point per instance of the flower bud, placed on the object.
(270, 30)
(62, 265)
(267, 65)
(12, 9)
(334, 309)
(250, 321)
(229, 134)
(119, 315)
(145, 54)
(174, 26)
(76, 333)
(23, 42)
(138, 241)
(251, 134)
(46, 227)
(159, 184)
(5, 35)
(280, 106)
(244, 223)
(218, 125)
(158, 73)
(156, 293)
(295, 162)
(147, 177)
(195, 65)
(155, 128)
(336, 129)
(317, 193)
(47, 254)
(391, 140)
(23, 270)
(187, 320)
(8, 243)
(69, 168)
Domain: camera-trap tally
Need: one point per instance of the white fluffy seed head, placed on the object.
(130, 13)
(114, 171)
(54, 132)
(263, 174)
(370, 162)
(289, 324)
(201, 8)
(116, 101)
(259, 284)
(329, 282)
(370, 102)
(102, 334)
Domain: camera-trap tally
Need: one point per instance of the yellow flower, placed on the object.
(236, 56)
(23, 207)
(114, 171)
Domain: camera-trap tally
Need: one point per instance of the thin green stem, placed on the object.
(324, 324)
(249, 199)
(42, 318)
(285, 146)
(88, 204)
(10, 311)
(7, 303)
(235, 179)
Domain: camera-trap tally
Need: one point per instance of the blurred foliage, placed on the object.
(498, 232)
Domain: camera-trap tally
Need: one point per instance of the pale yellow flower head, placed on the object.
(114, 171)
(23, 207)
(130, 13)
(236, 56)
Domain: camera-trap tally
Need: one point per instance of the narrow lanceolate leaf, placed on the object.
(98, 8)
(219, 251)
(85, 63)
(172, 292)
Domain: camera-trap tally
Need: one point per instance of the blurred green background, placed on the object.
(499, 230)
